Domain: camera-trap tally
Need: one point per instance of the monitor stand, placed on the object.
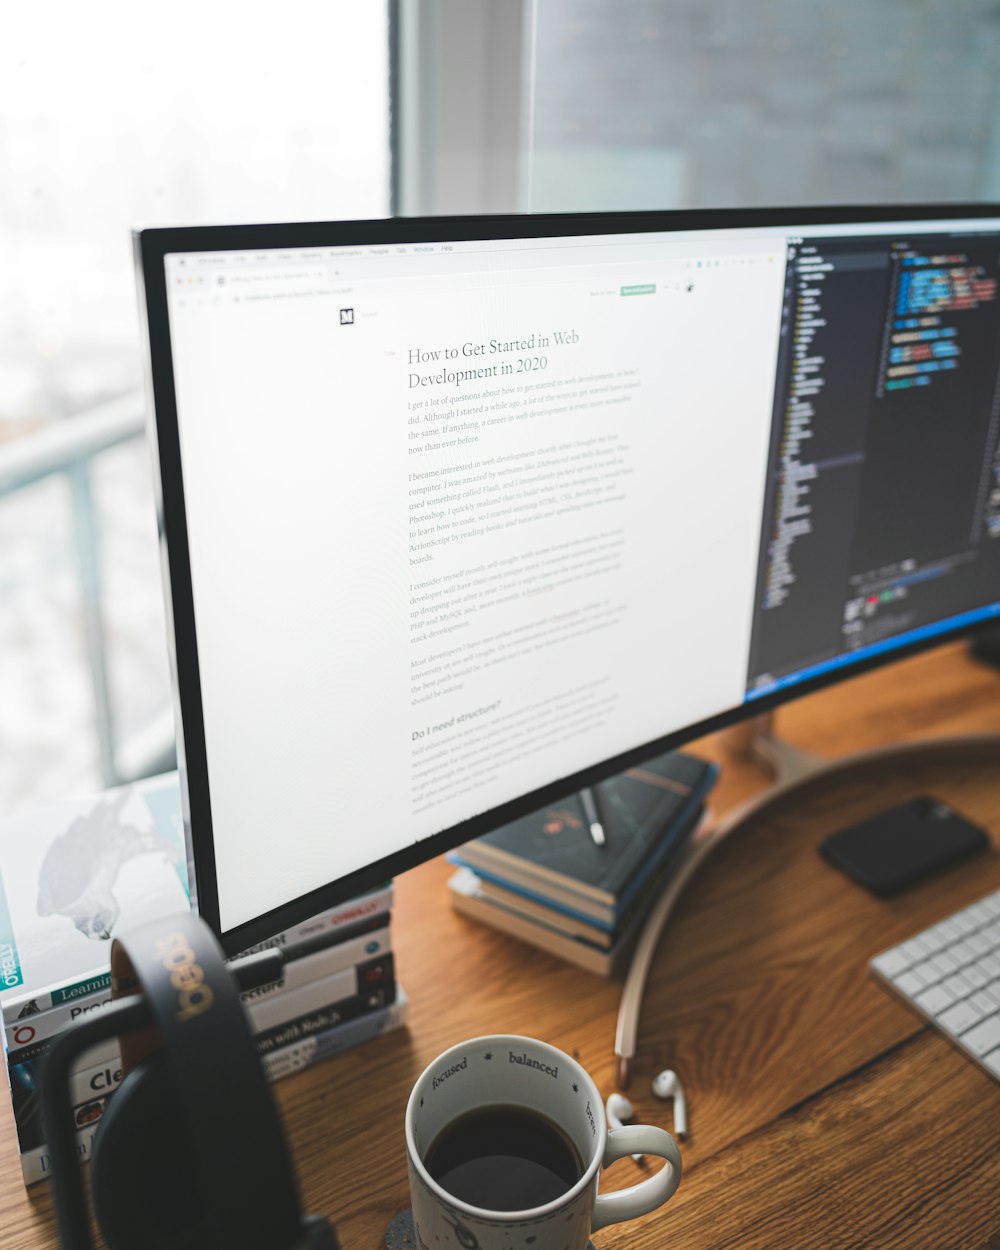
(757, 741)
(790, 768)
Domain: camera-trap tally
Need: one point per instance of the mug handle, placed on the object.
(648, 1194)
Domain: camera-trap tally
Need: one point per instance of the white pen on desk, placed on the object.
(589, 801)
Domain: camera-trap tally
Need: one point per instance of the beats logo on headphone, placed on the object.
(190, 1154)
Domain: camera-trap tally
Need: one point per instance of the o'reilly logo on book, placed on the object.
(10, 969)
(186, 976)
(10, 965)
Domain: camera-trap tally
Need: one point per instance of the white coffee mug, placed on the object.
(508, 1071)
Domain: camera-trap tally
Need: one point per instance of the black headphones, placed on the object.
(190, 1154)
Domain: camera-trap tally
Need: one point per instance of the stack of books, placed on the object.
(544, 878)
(73, 876)
(338, 988)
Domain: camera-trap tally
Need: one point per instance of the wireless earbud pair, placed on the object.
(666, 1085)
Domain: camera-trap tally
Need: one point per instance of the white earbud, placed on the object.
(668, 1085)
(619, 1108)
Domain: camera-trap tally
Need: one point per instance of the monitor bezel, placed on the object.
(151, 247)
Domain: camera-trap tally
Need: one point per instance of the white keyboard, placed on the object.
(951, 974)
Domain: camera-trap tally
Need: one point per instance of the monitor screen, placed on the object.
(460, 514)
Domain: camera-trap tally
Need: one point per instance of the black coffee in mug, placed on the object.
(504, 1159)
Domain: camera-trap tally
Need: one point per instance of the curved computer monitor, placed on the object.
(462, 514)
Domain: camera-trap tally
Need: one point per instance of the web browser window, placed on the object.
(460, 499)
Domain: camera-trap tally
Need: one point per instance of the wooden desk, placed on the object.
(823, 1113)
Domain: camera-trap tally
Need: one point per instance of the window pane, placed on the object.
(46, 712)
(130, 115)
(676, 103)
(112, 117)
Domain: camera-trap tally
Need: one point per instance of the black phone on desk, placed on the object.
(897, 848)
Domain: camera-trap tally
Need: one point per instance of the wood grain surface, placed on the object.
(823, 1112)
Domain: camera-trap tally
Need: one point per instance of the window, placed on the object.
(732, 103)
(575, 105)
(110, 118)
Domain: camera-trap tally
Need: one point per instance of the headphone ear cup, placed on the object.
(146, 1190)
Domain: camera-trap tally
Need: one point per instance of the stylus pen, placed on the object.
(589, 800)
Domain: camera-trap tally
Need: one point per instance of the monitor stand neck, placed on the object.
(783, 762)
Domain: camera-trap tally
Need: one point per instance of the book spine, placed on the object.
(36, 1165)
(46, 1024)
(555, 917)
(27, 1054)
(335, 918)
(324, 963)
(575, 906)
(323, 941)
(348, 983)
(319, 1021)
(312, 1050)
(570, 949)
(38, 1001)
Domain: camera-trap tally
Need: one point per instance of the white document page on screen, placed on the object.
(481, 531)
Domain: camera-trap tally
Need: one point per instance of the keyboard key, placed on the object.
(910, 984)
(984, 1037)
(928, 973)
(979, 912)
(891, 963)
(984, 1002)
(950, 929)
(975, 976)
(932, 941)
(963, 952)
(914, 950)
(935, 1000)
(964, 921)
(979, 943)
(958, 1019)
(990, 964)
(945, 961)
(956, 985)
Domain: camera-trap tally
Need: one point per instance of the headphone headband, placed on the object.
(220, 1086)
